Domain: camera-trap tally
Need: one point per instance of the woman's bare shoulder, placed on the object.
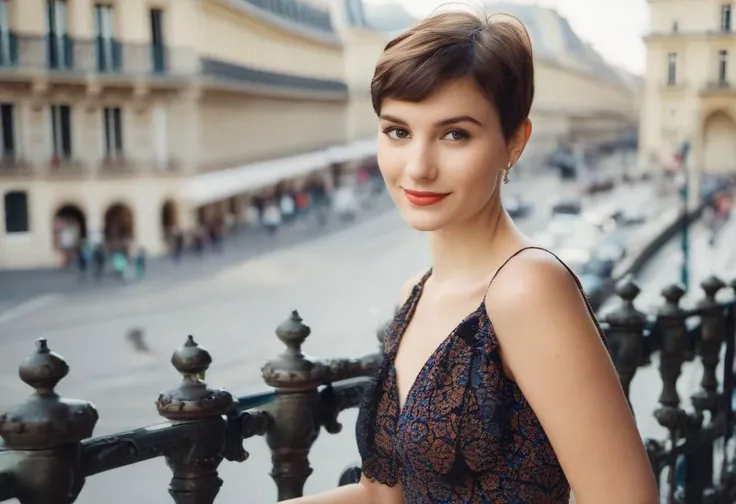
(551, 346)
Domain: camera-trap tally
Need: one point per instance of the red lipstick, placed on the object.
(424, 198)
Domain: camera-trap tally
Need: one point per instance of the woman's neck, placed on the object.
(474, 248)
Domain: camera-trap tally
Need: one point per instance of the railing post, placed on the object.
(626, 333)
(712, 330)
(700, 462)
(672, 319)
(296, 410)
(670, 415)
(194, 462)
(45, 434)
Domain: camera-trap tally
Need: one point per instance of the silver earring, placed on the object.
(506, 174)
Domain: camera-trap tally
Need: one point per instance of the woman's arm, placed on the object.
(551, 348)
(364, 492)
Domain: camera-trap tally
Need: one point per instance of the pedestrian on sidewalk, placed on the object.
(272, 217)
(99, 256)
(140, 263)
(83, 260)
(287, 207)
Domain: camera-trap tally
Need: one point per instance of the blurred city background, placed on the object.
(206, 166)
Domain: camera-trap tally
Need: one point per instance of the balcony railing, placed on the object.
(108, 57)
(8, 49)
(718, 87)
(83, 56)
(49, 449)
(719, 84)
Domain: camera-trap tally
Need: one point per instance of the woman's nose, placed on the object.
(420, 163)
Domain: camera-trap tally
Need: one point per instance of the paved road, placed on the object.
(664, 270)
(345, 280)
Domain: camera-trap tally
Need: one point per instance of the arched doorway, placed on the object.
(119, 226)
(169, 217)
(719, 144)
(70, 227)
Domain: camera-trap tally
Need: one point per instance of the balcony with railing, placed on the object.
(720, 87)
(679, 34)
(24, 56)
(48, 450)
(73, 60)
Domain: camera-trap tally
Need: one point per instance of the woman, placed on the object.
(518, 401)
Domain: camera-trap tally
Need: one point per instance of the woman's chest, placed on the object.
(443, 423)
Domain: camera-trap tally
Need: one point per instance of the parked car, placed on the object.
(569, 207)
(630, 217)
(598, 185)
(516, 207)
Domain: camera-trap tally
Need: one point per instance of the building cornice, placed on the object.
(282, 23)
(689, 36)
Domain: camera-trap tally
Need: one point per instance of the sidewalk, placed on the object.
(44, 285)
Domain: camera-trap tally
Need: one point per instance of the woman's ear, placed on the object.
(519, 140)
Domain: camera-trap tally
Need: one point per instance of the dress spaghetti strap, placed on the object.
(591, 312)
(485, 294)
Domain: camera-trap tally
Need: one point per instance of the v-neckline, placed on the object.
(407, 314)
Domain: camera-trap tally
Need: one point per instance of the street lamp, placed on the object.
(681, 158)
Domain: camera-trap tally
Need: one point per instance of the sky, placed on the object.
(613, 27)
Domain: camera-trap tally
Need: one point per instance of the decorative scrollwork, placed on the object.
(335, 399)
(241, 426)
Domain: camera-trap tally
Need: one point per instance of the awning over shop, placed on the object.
(216, 186)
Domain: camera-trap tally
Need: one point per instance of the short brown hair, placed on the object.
(495, 50)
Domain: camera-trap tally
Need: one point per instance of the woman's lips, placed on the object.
(424, 198)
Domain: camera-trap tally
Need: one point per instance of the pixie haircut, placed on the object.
(494, 50)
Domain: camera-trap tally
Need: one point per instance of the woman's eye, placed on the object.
(397, 133)
(456, 135)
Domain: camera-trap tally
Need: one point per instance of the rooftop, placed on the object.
(552, 36)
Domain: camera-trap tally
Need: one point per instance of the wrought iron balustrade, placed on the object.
(75, 59)
(70, 55)
(49, 451)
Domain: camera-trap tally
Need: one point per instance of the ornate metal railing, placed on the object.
(111, 59)
(48, 450)
(696, 463)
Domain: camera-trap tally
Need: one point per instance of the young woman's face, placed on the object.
(444, 158)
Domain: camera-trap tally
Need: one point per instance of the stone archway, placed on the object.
(169, 217)
(69, 227)
(719, 143)
(119, 225)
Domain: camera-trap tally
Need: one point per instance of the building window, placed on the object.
(108, 49)
(158, 47)
(722, 66)
(7, 131)
(8, 46)
(113, 132)
(675, 27)
(61, 132)
(671, 69)
(726, 18)
(16, 212)
(59, 42)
